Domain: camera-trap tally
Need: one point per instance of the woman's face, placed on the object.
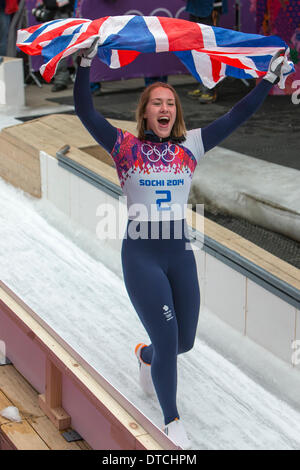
(160, 111)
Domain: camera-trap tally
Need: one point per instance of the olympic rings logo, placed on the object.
(156, 11)
(148, 150)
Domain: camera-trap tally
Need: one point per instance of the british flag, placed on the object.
(209, 53)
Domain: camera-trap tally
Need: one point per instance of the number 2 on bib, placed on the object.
(160, 201)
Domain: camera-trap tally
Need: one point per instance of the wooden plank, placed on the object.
(83, 445)
(53, 438)
(51, 401)
(211, 229)
(11, 152)
(5, 444)
(99, 153)
(21, 145)
(23, 436)
(248, 250)
(18, 435)
(218, 232)
(4, 402)
(22, 140)
(266, 260)
(19, 392)
(71, 127)
(20, 176)
(36, 136)
(53, 390)
(146, 441)
(50, 133)
(41, 424)
(94, 165)
(57, 415)
(90, 386)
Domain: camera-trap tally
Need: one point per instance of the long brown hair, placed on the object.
(178, 129)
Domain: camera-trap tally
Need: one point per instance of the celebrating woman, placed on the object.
(155, 170)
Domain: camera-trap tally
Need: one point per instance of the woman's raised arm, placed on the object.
(218, 130)
(102, 131)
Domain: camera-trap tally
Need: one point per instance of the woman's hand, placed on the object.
(87, 55)
(275, 65)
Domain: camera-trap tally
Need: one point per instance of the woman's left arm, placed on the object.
(218, 130)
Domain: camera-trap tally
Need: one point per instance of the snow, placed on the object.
(11, 413)
(232, 394)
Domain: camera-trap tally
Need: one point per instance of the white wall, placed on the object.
(12, 82)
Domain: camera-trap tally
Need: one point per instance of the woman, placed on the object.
(155, 171)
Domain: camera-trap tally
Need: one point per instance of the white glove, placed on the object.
(274, 72)
(88, 54)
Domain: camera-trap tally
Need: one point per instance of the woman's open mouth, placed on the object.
(163, 121)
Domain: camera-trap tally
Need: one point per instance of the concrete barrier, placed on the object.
(12, 82)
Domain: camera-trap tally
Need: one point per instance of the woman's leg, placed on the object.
(150, 293)
(183, 277)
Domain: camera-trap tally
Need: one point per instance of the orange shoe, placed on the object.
(145, 378)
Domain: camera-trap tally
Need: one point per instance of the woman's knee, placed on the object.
(185, 345)
(166, 349)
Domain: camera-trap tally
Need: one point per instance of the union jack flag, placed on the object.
(209, 53)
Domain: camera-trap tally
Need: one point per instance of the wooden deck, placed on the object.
(67, 389)
(35, 431)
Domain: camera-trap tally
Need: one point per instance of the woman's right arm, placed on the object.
(102, 131)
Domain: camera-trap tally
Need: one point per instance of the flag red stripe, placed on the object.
(235, 62)
(35, 47)
(126, 57)
(216, 69)
(180, 33)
